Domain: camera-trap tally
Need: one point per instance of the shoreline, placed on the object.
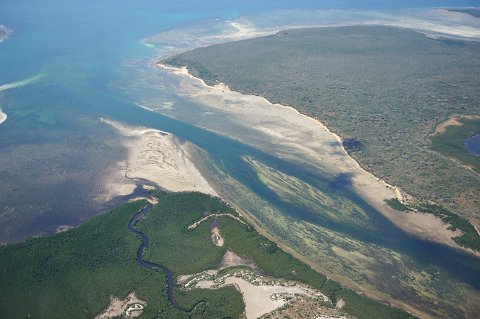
(425, 226)
(373, 189)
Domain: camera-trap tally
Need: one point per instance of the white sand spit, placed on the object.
(158, 157)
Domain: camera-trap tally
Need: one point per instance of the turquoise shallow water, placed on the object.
(53, 152)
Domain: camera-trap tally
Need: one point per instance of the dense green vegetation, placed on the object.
(451, 143)
(382, 89)
(172, 243)
(73, 274)
(396, 204)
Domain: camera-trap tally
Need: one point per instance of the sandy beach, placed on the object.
(155, 158)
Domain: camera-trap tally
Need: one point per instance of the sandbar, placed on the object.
(155, 158)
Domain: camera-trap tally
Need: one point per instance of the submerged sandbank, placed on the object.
(13, 85)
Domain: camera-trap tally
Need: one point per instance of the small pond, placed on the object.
(472, 144)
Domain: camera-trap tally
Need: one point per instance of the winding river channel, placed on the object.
(142, 213)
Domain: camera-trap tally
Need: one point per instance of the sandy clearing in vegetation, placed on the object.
(260, 300)
(450, 122)
(117, 307)
(157, 157)
(217, 237)
(454, 120)
(230, 259)
(300, 134)
(261, 294)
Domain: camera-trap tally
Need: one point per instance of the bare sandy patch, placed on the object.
(130, 307)
(450, 122)
(217, 237)
(260, 300)
(230, 259)
(454, 120)
(299, 134)
(340, 304)
(157, 157)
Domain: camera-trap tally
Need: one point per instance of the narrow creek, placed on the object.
(142, 213)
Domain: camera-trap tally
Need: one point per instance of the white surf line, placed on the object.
(431, 22)
(13, 85)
